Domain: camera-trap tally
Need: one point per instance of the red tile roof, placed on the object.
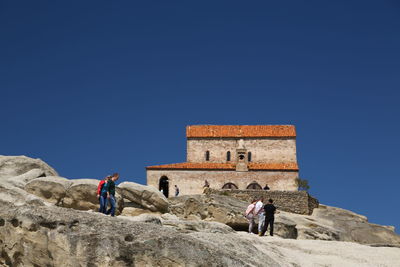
(240, 131)
(224, 166)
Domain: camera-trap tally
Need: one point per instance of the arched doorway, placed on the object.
(229, 186)
(254, 185)
(164, 185)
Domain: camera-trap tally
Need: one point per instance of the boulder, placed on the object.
(131, 211)
(52, 189)
(82, 195)
(349, 226)
(146, 196)
(21, 180)
(11, 166)
(218, 208)
(17, 196)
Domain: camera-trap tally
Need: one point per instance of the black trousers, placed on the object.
(268, 221)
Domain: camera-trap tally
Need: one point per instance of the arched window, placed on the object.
(229, 186)
(228, 156)
(249, 156)
(207, 155)
(254, 185)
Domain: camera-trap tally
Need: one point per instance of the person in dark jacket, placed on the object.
(176, 190)
(111, 194)
(269, 211)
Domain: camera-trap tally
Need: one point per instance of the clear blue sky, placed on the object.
(93, 87)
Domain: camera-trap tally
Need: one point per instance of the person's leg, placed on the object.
(267, 220)
(251, 224)
(103, 204)
(101, 201)
(261, 219)
(271, 231)
(112, 208)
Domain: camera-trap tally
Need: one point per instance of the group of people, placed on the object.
(106, 194)
(265, 213)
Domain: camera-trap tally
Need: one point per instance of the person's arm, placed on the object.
(109, 188)
(99, 188)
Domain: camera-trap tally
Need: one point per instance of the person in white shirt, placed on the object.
(259, 210)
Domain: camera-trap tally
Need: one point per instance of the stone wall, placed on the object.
(262, 149)
(191, 182)
(291, 201)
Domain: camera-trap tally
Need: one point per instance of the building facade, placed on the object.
(232, 156)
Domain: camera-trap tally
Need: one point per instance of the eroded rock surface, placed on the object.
(64, 237)
(55, 236)
(53, 189)
(326, 223)
(82, 195)
(37, 230)
(146, 196)
(11, 166)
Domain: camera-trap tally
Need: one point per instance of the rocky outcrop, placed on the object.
(146, 196)
(326, 223)
(82, 195)
(21, 180)
(37, 230)
(218, 208)
(12, 166)
(52, 189)
(55, 236)
(17, 196)
(61, 237)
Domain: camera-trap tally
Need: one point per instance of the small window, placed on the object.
(207, 155)
(249, 156)
(228, 156)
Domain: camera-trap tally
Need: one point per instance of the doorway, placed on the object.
(164, 185)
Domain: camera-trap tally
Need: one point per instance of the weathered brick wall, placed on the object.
(262, 149)
(292, 201)
(191, 182)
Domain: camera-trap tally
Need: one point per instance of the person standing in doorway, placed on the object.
(176, 190)
(269, 210)
(259, 211)
(111, 194)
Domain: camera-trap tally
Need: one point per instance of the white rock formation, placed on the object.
(35, 232)
(145, 196)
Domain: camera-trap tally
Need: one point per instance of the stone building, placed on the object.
(232, 157)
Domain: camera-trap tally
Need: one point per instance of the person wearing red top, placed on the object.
(102, 199)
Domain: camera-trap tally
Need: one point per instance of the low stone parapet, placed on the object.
(299, 202)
